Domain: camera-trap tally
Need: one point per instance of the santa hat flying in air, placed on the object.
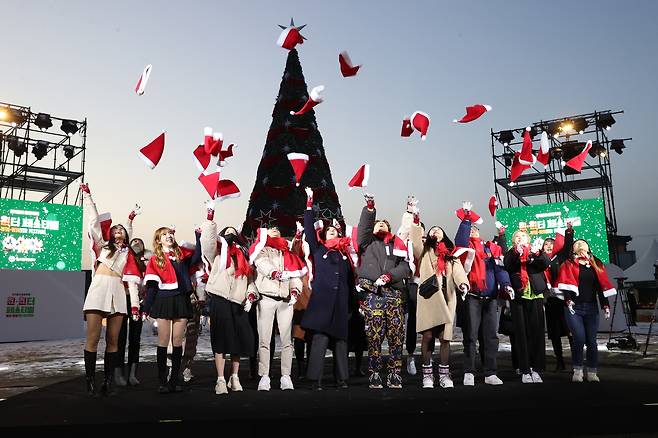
(152, 152)
(473, 113)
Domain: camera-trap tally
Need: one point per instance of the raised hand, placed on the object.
(135, 211)
(537, 245)
(467, 206)
(300, 230)
(85, 188)
(370, 201)
(412, 204)
(210, 208)
(501, 228)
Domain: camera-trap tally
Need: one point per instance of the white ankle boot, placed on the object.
(428, 377)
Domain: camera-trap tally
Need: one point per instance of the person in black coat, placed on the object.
(526, 265)
(327, 311)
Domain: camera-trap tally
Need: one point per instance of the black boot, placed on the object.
(162, 370)
(301, 369)
(176, 359)
(108, 382)
(358, 358)
(253, 367)
(90, 372)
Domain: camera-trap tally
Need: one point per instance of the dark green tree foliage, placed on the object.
(275, 200)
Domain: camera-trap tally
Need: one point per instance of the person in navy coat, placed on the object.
(332, 286)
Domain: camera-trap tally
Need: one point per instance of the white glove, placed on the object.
(467, 206)
(379, 282)
(210, 205)
(285, 275)
(570, 307)
(412, 204)
(293, 298)
(309, 192)
(464, 288)
(300, 227)
(247, 305)
(137, 210)
(510, 292)
(537, 245)
(606, 312)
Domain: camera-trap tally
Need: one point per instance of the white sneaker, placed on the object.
(411, 366)
(445, 381)
(264, 384)
(526, 378)
(493, 380)
(577, 375)
(234, 383)
(187, 375)
(220, 387)
(536, 378)
(469, 379)
(428, 377)
(286, 383)
(592, 377)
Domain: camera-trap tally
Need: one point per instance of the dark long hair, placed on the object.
(112, 244)
(138, 256)
(429, 243)
(239, 238)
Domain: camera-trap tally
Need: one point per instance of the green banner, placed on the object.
(545, 220)
(40, 236)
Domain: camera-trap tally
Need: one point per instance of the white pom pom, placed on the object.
(527, 128)
(422, 137)
(292, 113)
(455, 121)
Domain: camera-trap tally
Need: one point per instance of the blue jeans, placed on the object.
(584, 325)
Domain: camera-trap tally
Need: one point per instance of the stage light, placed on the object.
(3, 114)
(597, 149)
(70, 127)
(556, 153)
(69, 151)
(580, 125)
(617, 146)
(565, 127)
(605, 121)
(16, 145)
(40, 149)
(553, 129)
(506, 137)
(43, 121)
(508, 157)
(12, 116)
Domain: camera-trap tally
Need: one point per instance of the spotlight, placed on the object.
(556, 153)
(597, 149)
(12, 116)
(3, 113)
(508, 157)
(580, 125)
(70, 127)
(605, 121)
(40, 149)
(69, 151)
(43, 121)
(505, 137)
(553, 129)
(566, 127)
(617, 146)
(16, 145)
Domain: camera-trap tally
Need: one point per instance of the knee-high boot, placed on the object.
(90, 372)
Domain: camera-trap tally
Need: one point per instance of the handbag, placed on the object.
(428, 287)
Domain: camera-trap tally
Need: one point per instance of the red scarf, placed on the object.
(523, 258)
(478, 274)
(292, 263)
(385, 236)
(441, 252)
(568, 278)
(242, 268)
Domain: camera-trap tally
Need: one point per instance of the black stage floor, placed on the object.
(625, 402)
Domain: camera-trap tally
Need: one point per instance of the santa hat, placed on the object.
(290, 37)
(152, 152)
(313, 99)
(544, 156)
(225, 154)
(473, 113)
(210, 183)
(143, 79)
(407, 129)
(493, 204)
(201, 158)
(576, 163)
(347, 69)
(212, 141)
(360, 178)
(474, 217)
(298, 162)
(526, 157)
(421, 122)
(517, 167)
(227, 189)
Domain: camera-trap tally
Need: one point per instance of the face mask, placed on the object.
(431, 241)
(137, 247)
(231, 238)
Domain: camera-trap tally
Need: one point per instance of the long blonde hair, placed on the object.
(516, 233)
(578, 245)
(158, 252)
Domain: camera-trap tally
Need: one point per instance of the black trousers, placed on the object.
(319, 347)
(131, 332)
(529, 341)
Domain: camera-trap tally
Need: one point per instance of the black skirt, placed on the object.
(230, 332)
(176, 307)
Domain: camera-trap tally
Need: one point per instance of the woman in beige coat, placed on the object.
(435, 315)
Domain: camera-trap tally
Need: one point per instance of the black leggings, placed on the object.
(131, 331)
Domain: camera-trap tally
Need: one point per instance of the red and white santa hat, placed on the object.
(493, 205)
(152, 152)
(517, 168)
(473, 113)
(360, 178)
(576, 163)
(143, 79)
(544, 155)
(347, 69)
(421, 123)
(210, 183)
(225, 154)
(526, 157)
(201, 158)
(314, 99)
(407, 129)
(227, 189)
(212, 141)
(474, 217)
(290, 37)
(298, 162)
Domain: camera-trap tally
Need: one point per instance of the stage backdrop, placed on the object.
(38, 235)
(41, 305)
(587, 217)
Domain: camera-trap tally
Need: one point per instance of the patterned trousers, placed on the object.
(384, 317)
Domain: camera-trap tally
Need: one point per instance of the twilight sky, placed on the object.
(215, 63)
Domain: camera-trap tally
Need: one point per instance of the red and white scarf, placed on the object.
(568, 278)
(165, 276)
(292, 263)
(229, 253)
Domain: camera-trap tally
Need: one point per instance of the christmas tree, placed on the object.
(275, 198)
